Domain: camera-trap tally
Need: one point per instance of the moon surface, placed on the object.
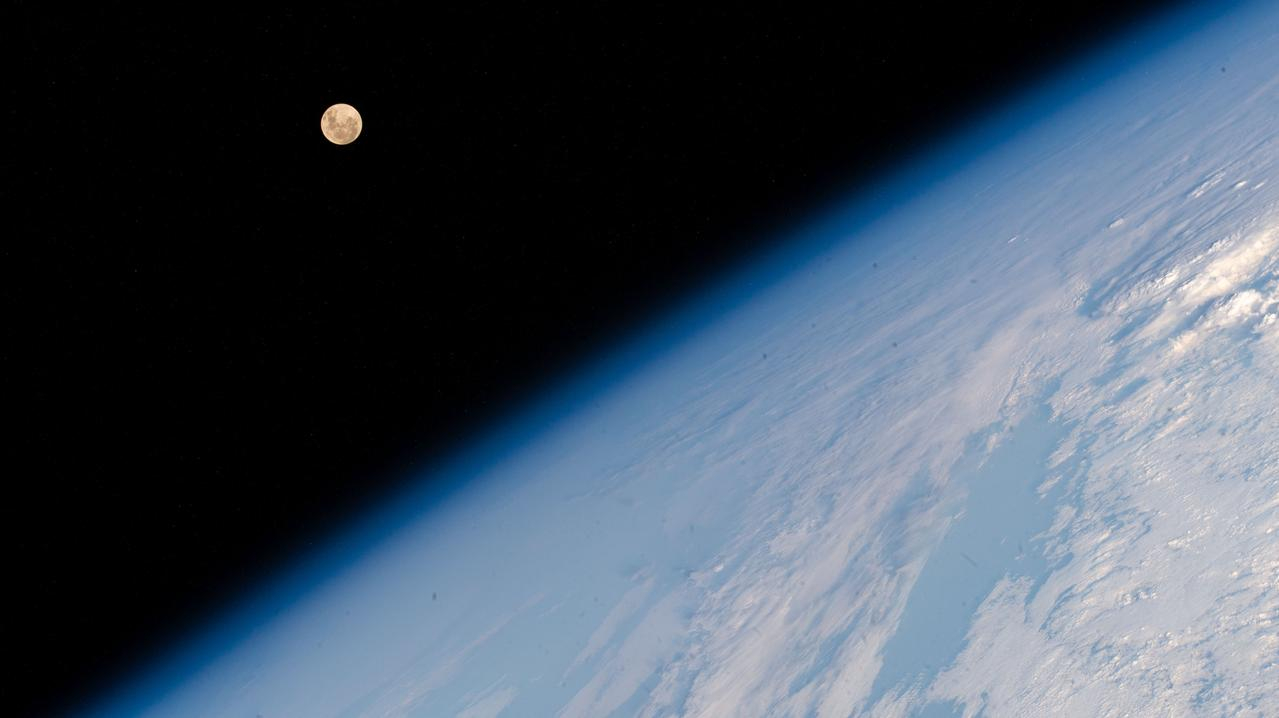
(341, 124)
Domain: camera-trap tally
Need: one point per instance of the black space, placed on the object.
(223, 335)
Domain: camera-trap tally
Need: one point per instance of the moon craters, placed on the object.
(341, 124)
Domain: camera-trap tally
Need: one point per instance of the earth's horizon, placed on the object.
(1008, 446)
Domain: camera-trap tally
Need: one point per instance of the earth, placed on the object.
(998, 437)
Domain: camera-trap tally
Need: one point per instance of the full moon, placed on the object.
(341, 124)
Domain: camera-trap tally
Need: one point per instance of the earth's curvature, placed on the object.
(1007, 445)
